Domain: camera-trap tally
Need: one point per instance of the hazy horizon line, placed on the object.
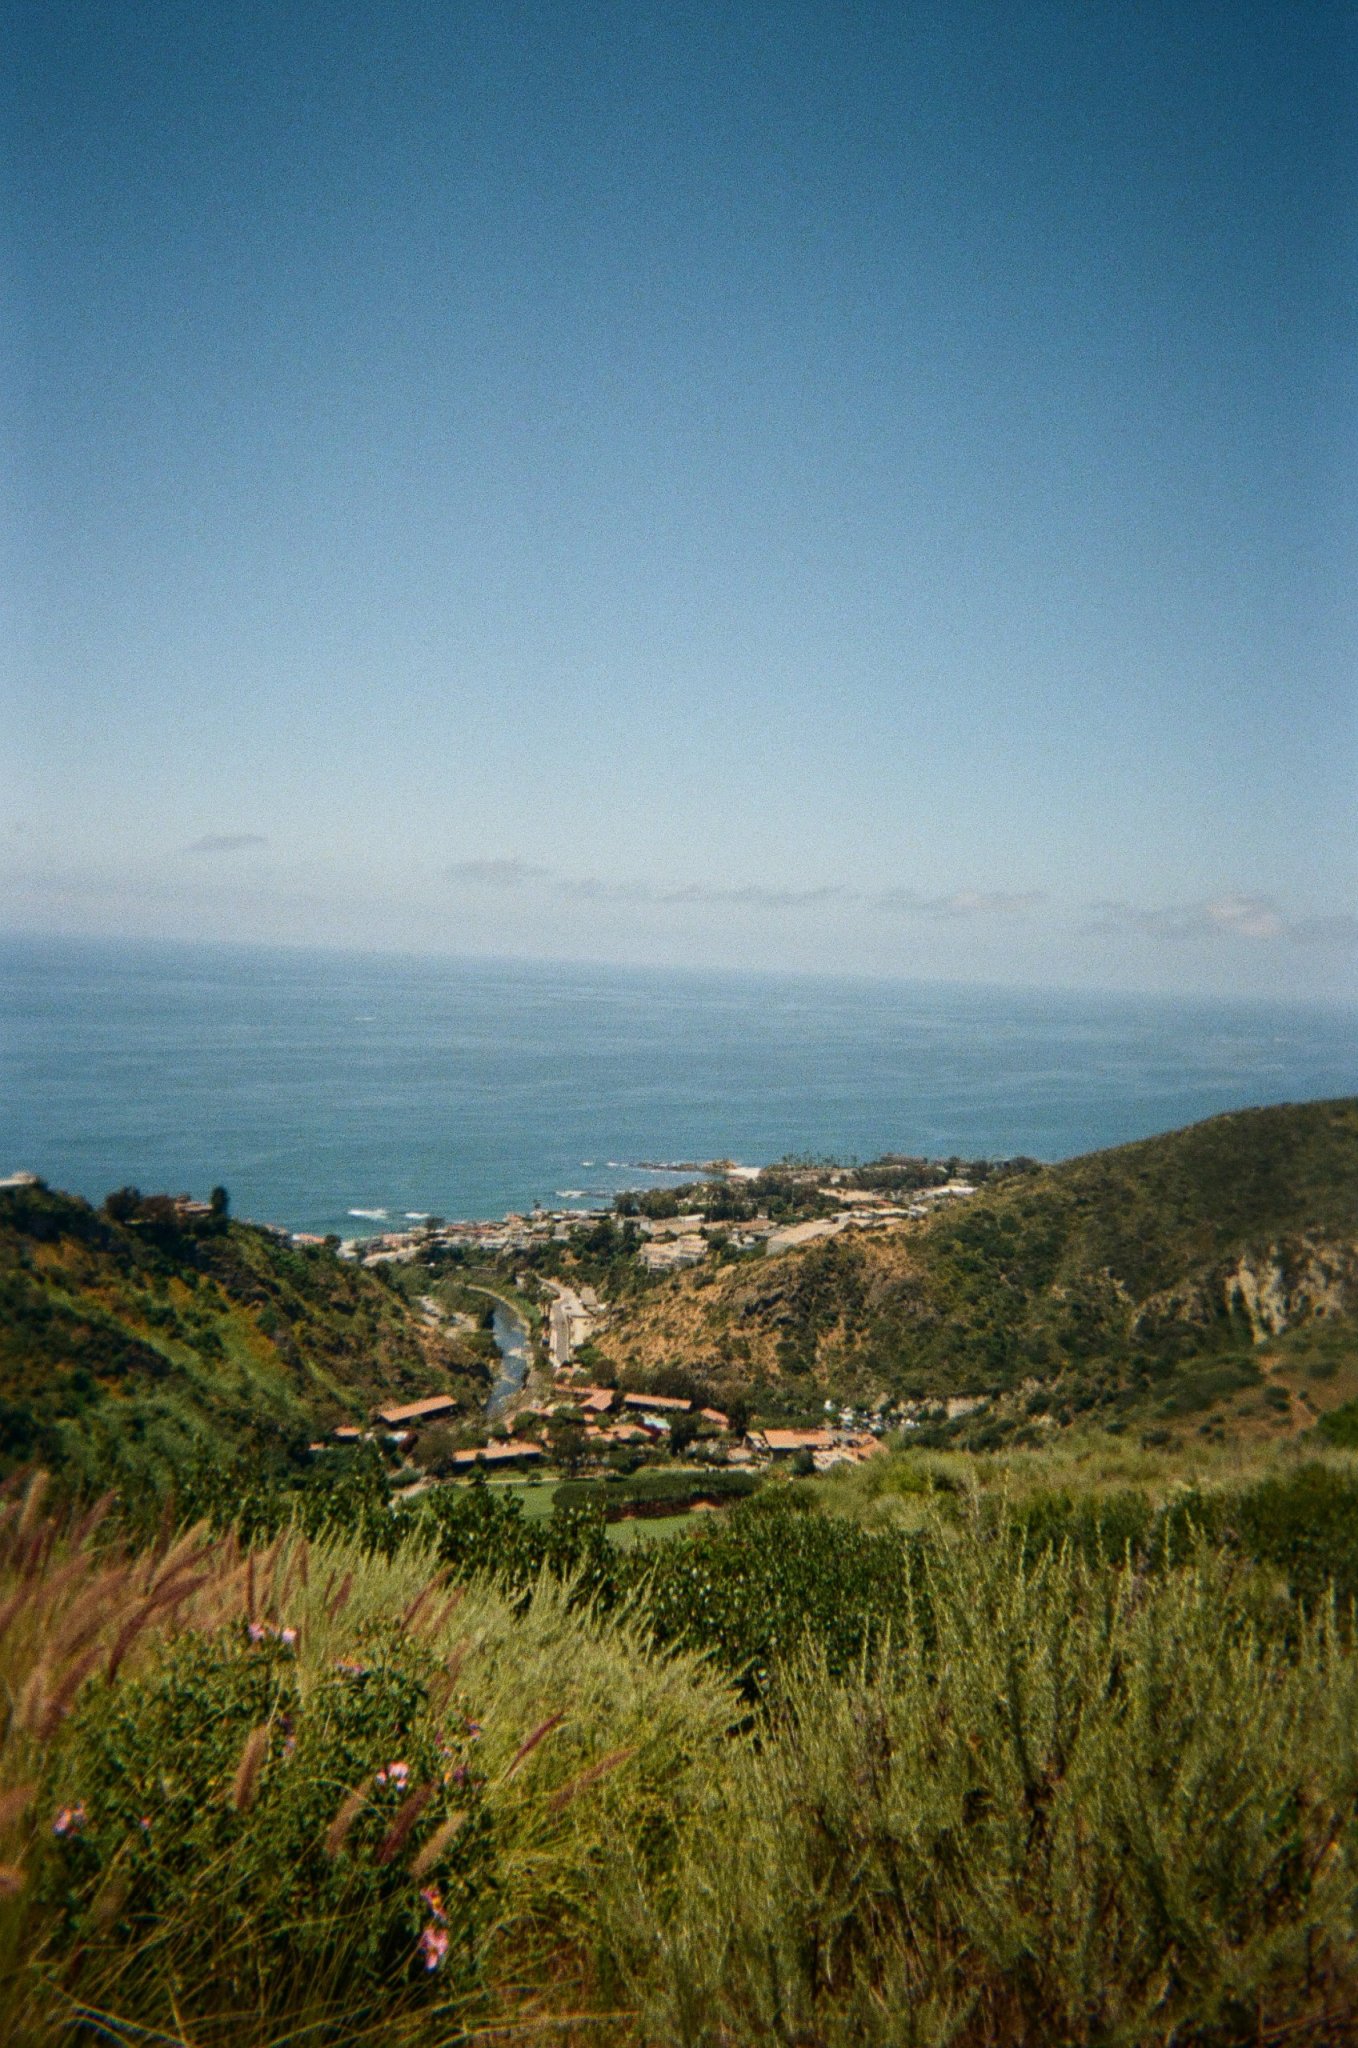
(320, 949)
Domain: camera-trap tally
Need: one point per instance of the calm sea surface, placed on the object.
(317, 1085)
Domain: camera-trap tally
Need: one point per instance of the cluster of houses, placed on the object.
(680, 1241)
(669, 1243)
(827, 1447)
(617, 1420)
(515, 1233)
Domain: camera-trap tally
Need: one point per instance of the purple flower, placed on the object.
(69, 1821)
(433, 1946)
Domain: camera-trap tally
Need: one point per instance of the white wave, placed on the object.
(569, 1194)
(371, 1215)
(418, 1215)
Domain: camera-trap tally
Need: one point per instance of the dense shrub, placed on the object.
(755, 1588)
(1098, 1808)
(207, 1794)
(313, 1794)
(656, 1489)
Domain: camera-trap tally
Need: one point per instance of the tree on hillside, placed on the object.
(220, 1203)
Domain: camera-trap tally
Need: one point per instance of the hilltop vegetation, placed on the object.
(133, 1337)
(1029, 1778)
(1213, 1267)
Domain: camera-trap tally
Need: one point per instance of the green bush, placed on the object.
(1090, 1808)
(204, 1799)
(656, 1489)
(753, 1590)
(1340, 1426)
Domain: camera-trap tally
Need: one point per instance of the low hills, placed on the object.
(1205, 1282)
(138, 1332)
(1206, 1277)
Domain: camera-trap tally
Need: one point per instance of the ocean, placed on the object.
(345, 1092)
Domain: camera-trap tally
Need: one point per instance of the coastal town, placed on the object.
(550, 1410)
(671, 1242)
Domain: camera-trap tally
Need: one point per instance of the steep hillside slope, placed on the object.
(1113, 1281)
(143, 1337)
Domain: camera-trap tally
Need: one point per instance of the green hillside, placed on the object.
(1162, 1277)
(134, 1337)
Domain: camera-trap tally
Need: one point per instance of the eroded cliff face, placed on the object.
(1272, 1289)
(1293, 1283)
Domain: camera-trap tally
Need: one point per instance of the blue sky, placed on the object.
(816, 487)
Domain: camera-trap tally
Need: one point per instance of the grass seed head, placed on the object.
(433, 1850)
(582, 1781)
(14, 1803)
(28, 1514)
(351, 1806)
(244, 1784)
(530, 1743)
(407, 1814)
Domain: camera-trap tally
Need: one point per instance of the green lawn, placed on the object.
(650, 1528)
(535, 1499)
(534, 1496)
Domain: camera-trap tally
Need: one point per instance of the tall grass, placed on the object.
(1092, 1808)
(305, 1792)
(290, 1780)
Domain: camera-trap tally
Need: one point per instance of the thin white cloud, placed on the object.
(513, 874)
(499, 874)
(962, 902)
(754, 896)
(227, 842)
(1256, 919)
(1250, 917)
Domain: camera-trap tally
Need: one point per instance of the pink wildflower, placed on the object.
(257, 1631)
(145, 1823)
(433, 1898)
(69, 1821)
(473, 1730)
(288, 1636)
(433, 1946)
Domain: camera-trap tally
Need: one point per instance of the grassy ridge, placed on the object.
(129, 1343)
(1101, 1282)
